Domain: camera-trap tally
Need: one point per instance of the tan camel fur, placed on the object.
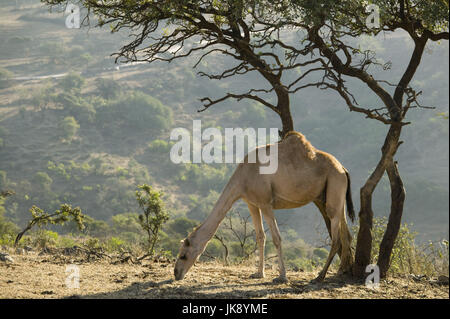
(304, 175)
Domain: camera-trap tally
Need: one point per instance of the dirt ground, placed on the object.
(34, 276)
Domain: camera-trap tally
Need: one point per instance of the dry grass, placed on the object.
(34, 276)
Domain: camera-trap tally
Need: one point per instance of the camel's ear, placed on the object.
(187, 243)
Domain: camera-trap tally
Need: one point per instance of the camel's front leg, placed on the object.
(276, 237)
(260, 238)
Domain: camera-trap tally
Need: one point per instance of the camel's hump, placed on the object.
(299, 139)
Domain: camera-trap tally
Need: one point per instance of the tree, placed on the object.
(154, 215)
(43, 181)
(73, 82)
(69, 127)
(237, 231)
(6, 227)
(5, 78)
(59, 217)
(174, 29)
(108, 88)
(330, 26)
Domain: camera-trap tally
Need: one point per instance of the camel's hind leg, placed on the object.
(276, 237)
(346, 247)
(320, 204)
(334, 247)
(335, 212)
(260, 238)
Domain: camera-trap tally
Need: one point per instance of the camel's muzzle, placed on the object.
(179, 274)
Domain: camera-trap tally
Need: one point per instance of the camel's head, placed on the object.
(186, 258)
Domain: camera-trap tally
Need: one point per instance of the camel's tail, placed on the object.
(350, 208)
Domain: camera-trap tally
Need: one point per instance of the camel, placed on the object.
(305, 174)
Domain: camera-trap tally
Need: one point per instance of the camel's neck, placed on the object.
(230, 194)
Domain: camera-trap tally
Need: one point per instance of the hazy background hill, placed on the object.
(92, 133)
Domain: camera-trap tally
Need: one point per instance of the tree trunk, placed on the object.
(363, 253)
(397, 201)
(285, 111)
(364, 240)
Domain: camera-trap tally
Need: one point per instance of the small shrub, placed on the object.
(45, 238)
(5, 78)
(114, 244)
(159, 146)
(72, 82)
(154, 215)
(320, 253)
(407, 257)
(66, 242)
(301, 264)
(69, 127)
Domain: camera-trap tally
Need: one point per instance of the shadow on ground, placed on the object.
(170, 289)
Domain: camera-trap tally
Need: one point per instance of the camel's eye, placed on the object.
(183, 257)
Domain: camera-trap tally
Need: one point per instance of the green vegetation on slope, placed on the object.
(90, 137)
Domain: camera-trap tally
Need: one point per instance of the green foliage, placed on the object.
(76, 106)
(93, 244)
(127, 222)
(6, 239)
(72, 82)
(69, 127)
(3, 180)
(58, 169)
(436, 255)
(43, 180)
(59, 217)
(202, 206)
(7, 228)
(45, 238)
(66, 241)
(301, 264)
(114, 244)
(352, 14)
(135, 112)
(204, 177)
(443, 115)
(181, 226)
(215, 249)
(41, 218)
(43, 97)
(94, 227)
(321, 253)
(254, 115)
(408, 257)
(154, 214)
(160, 147)
(174, 231)
(103, 194)
(5, 78)
(108, 88)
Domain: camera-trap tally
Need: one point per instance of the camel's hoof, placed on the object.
(280, 280)
(256, 276)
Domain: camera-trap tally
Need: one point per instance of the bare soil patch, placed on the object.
(44, 276)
